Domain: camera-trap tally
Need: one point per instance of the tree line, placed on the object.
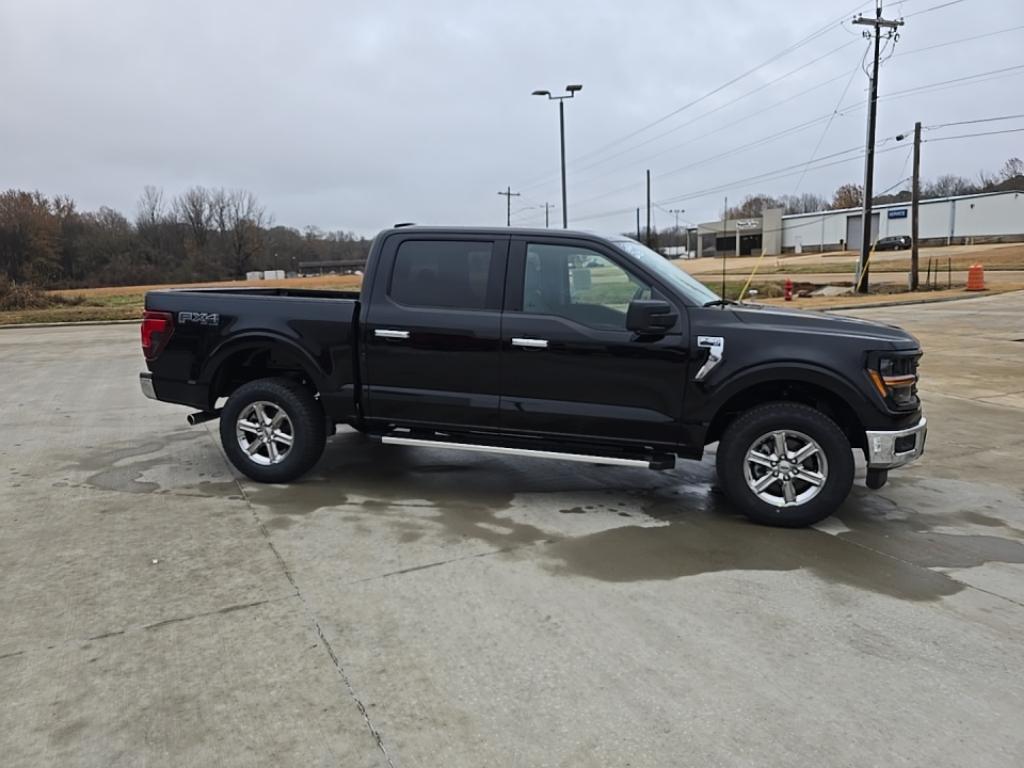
(202, 234)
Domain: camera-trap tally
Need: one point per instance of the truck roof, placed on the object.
(499, 231)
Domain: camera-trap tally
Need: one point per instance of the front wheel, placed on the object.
(272, 430)
(785, 464)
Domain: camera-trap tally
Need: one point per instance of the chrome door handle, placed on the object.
(384, 333)
(530, 343)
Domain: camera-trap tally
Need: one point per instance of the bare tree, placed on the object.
(246, 221)
(150, 207)
(848, 196)
(194, 208)
(1012, 168)
(948, 185)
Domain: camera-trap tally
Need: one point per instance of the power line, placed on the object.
(936, 85)
(795, 46)
(713, 132)
(959, 40)
(777, 173)
(793, 129)
(760, 89)
(727, 153)
(971, 122)
(647, 158)
(972, 135)
(814, 152)
(933, 8)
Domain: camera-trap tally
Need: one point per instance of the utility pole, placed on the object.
(877, 24)
(638, 226)
(508, 194)
(547, 219)
(725, 232)
(915, 198)
(648, 208)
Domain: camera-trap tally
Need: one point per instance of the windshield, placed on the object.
(690, 287)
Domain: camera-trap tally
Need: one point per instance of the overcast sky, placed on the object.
(358, 115)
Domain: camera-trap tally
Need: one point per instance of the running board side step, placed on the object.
(657, 462)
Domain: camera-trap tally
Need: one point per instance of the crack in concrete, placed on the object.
(154, 625)
(339, 667)
(228, 609)
(425, 566)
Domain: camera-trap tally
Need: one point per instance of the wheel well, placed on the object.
(817, 397)
(254, 363)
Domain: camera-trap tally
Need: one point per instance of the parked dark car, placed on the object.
(553, 344)
(893, 243)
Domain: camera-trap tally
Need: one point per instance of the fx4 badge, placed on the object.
(199, 318)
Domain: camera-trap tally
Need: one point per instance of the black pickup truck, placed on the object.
(554, 344)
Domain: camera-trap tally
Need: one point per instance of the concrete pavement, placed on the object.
(410, 607)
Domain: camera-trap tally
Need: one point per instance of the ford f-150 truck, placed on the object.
(554, 344)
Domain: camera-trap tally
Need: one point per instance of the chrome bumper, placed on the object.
(887, 450)
(146, 382)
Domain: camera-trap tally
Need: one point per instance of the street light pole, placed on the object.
(561, 134)
(570, 92)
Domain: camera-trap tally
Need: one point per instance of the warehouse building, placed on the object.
(982, 218)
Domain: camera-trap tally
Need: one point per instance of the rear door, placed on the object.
(432, 335)
(570, 369)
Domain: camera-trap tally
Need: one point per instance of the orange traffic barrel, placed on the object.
(976, 278)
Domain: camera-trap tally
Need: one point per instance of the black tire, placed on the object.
(756, 428)
(307, 429)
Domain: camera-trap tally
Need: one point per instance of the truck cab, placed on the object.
(551, 343)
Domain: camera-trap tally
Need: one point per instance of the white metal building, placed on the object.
(985, 217)
(989, 216)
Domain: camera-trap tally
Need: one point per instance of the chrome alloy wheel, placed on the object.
(785, 468)
(265, 433)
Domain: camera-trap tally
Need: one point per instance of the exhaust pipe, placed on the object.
(200, 416)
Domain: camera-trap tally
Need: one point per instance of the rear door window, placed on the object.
(443, 273)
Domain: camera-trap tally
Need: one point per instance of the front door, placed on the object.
(431, 341)
(570, 369)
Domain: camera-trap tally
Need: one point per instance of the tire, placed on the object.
(291, 437)
(750, 444)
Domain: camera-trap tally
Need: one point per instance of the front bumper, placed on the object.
(888, 450)
(146, 382)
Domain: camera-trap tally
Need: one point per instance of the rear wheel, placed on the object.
(272, 430)
(785, 464)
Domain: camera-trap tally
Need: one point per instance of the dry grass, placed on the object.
(837, 302)
(125, 302)
(341, 282)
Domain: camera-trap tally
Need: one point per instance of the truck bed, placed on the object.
(315, 330)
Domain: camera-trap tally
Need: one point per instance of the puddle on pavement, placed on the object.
(416, 494)
(420, 492)
(125, 468)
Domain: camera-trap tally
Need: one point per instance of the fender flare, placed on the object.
(260, 340)
(793, 371)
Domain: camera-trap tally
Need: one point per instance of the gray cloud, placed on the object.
(355, 116)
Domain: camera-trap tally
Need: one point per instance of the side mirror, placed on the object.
(645, 316)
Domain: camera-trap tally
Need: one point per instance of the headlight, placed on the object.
(895, 378)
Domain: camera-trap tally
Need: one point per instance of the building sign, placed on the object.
(897, 213)
(748, 224)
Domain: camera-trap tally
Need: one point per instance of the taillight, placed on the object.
(157, 329)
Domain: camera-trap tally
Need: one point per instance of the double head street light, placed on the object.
(570, 92)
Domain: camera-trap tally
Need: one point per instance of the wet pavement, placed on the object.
(413, 607)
